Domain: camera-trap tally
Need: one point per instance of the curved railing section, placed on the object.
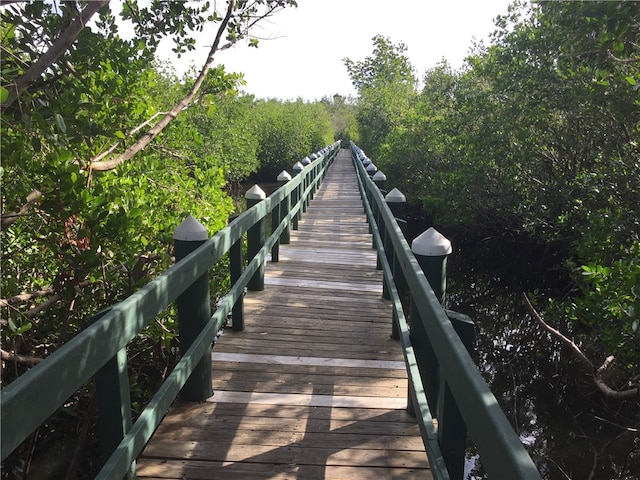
(444, 382)
(100, 350)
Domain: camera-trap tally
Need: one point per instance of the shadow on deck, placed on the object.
(313, 387)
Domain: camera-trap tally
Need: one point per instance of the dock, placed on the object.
(313, 387)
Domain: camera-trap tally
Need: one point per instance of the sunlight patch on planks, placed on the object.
(296, 399)
(305, 361)
(313, 387)
(318, 285)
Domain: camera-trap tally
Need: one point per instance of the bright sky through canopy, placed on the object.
(304, 57)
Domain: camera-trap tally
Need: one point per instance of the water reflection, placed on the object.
(569, 429)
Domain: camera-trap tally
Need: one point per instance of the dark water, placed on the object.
(570, 430)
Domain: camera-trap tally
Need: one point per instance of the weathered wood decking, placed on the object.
(313, 387)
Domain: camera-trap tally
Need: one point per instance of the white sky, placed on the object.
(304, 57)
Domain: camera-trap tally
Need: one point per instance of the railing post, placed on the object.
(305, 183)
(114, 402)
(431, 249)
(283, 178)
(194, 309)
(297, 193)
(255, 238)
(371, 169)
(395, 200)
(380, 179)
(312, 175)
(235, 271)
(452, 430)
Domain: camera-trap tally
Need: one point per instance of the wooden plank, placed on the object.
(210, 412)
(307, 361)
(207, 470)
(313, 388)
(319, 285)
(211, 451)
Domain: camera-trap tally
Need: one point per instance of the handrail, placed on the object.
(501, 452)
(74, 364)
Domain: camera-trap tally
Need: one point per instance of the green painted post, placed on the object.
(401, 287)
(380, 179)
(312, 175)
(388, 253)
(194, 309)
(297, 193)
(255, 238)
(431, 250)
(305, 183)
(452, 430)
(425, 357)
(235, 271)
(285, 206)
(396, 201)
(114, 402)
(275, 221)
(371, 169)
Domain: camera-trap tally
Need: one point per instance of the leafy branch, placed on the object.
(237, 29)
(61, 45)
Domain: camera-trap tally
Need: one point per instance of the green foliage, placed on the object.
(608, 303)
(538, 137)
(343, 116)
(288, 131)
(386, 86)
(75, 240)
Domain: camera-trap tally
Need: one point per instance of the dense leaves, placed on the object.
(75, 240)
(536, 139)
(288, 132)
(386, 85)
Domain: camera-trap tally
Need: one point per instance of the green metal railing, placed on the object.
(444, 382)
(100, 350)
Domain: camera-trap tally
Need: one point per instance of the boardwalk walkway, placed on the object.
(313, 387)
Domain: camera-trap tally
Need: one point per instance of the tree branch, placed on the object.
(556, 333)
(63, 42)
(597, 374)
(14, 357)
(173, 113)
(113, 147)
(7, 219)
(26, 296)
(622, 60)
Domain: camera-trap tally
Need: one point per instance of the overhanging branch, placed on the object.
(61, 45)
(598, 373)
(140, 144)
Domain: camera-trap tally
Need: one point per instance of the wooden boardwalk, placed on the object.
(314, 387)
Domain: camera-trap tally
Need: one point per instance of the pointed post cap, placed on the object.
(306, 161)
(255, 193)
(283, 176)
(366, 161)
(298, 167)
(395, 196)
(431, 243)
(190, 230)
(371, 167)
(379, 176)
